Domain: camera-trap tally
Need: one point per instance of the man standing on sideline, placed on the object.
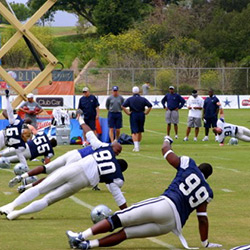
(31, 109)
(211, 108)
(114, 106)
(194, 104)
(89, 106)
(137, 112)
(174, 102)
(145, 88)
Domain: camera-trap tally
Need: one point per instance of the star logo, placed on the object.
(227, 103)
(155, 102)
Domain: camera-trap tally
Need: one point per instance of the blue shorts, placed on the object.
(115, 120)
(210, 122)
(90, 123)
(137, 121)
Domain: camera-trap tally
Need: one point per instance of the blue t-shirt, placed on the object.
(173, 101)
(189, 189)
(86, 151)
(88, 106)
(39, 146)
(108, 166)
(13, 133)
(211, 107)
(136, 103)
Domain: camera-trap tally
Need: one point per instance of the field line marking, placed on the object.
(145, 156)
(84, 204)
(230, 169)
(4, 169)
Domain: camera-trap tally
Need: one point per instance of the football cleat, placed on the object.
(176, 137)
(7, 209)
(84, 245)
(21, 189)
(195, 138)
(74, 238)
(136, 150)
(185, 139)
(13, 215)
(96, 188)
(7, 93)
(167, 138)
(205, 138)
(15, 180)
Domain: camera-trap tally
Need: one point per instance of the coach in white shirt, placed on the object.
(194, 104)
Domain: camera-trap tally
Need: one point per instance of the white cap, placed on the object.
(135, 90)
(30, 95)
(85, 89)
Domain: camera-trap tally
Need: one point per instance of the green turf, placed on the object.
(147, 176)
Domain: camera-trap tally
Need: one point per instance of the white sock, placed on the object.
(94, 243)
(35, 206)
(27, 196)
(87, 233)
(25, 175)
(136, 144)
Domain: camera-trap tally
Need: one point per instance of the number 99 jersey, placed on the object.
(189, 188)
(108, 167)
(13, 134)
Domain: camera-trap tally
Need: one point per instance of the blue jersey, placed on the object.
(173, 101)
(13, 134)
(86, 151)
(137, 103)
(88, 105)
(108, 167)
(188, 189)
(39, 146)
(210, 107)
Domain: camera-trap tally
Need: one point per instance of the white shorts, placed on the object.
(63, 160)
(68, 180)
(148, 218)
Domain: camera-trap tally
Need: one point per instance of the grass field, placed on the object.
(147, 176)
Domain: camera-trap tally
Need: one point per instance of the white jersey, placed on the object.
(227, 129)
(195, 102)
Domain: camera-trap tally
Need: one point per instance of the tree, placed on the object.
(116, 16)
(231, 5)
(22, 12)
(35, 5)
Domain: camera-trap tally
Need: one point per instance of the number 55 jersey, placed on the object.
(189, 189)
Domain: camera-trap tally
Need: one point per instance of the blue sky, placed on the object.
(62, 18)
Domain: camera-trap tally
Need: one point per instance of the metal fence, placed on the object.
(224, 81)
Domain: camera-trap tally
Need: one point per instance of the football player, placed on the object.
(101, 166)
(224, 129)
(63, 160)
(40, 145)
(15, 134)
(156, 216)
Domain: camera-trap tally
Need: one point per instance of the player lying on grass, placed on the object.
(101, 166)
(156, 216)
(15, 134)
(40, 145)
(63, 160)
(224, 129)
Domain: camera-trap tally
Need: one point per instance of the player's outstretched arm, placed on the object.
(201, 212)
(168, 153)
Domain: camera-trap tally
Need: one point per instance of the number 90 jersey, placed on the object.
(40, 146)
(13, 134)
(189, 188)
(108, 167)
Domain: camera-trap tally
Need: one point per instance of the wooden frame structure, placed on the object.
(45, 76)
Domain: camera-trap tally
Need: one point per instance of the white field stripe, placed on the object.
(4, 169)
(162, 243)
(229, 169)
(159, 242)
(227, 190)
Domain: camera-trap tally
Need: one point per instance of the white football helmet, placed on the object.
(20, 169)
(99, 213)
(4, 162)
(29, 180)
(233, 141)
